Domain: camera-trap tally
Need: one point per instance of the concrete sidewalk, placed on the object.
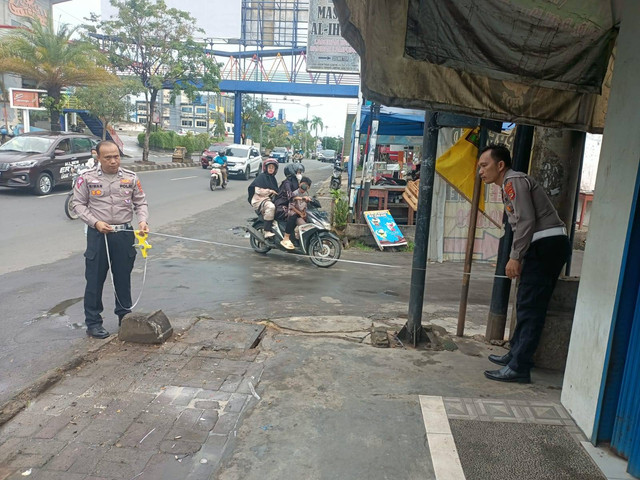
(293, 397)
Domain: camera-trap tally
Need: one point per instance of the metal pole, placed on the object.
(355, 155)
(237, 118)
(471, 236)
(497, 320)
(368, 165)
(572, 230)
(413, 331)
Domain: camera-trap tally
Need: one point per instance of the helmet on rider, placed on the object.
(293, 168)
(270, 161)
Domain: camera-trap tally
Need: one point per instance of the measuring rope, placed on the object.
(143, 245)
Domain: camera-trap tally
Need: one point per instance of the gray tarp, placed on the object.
(567, 48)
(377, 29)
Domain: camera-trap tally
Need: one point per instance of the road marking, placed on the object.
(184, 178)
(53, 195)
(444, 455)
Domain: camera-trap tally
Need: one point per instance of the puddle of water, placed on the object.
(58, 310)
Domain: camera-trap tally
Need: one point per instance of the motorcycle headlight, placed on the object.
(24, 163)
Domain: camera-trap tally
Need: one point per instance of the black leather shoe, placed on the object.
(97, 332)
(501, 359)
(120, 317)
(505, 374)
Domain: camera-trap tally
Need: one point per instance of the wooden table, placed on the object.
(381, 192)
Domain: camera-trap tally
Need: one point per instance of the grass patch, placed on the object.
(408, 247)
(360, 245)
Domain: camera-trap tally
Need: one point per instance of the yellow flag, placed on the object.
(457, 166)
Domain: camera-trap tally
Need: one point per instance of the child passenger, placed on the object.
(297, 214)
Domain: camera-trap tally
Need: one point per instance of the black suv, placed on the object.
(42, 160)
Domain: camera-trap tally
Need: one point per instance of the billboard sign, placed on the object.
(327, 51)
(26, 98)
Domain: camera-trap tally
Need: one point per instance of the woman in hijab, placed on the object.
(293, 173)
(260, 192)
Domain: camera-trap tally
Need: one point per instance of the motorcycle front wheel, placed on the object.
(68, 208)
(256, 244)
(213, 183)
(324, 251)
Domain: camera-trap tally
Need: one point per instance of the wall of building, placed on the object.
(16, 13)
(615, 182)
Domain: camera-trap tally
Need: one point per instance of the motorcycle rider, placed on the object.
(260, 192)
(297, 214)
(293, 173)
(221, 161)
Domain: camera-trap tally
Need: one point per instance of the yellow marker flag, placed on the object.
(458, 165)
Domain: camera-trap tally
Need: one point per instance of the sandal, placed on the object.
(287, 244)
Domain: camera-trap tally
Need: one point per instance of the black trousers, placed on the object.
(541, 267)
(292, 221)
(123, 255)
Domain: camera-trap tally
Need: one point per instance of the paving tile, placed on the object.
(164, 466)
(77, 458)
(231, 383)
(226, 423)
(123, 463)
(35, 453)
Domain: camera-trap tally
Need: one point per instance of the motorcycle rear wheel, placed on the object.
(68, 208)
(256, 244)
(324, 251)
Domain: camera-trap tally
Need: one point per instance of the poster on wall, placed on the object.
(327, 51)
(384, 229)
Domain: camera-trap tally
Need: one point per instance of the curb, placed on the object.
(139, 167)
(22, 399)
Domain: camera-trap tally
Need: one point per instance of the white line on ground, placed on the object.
(53, 195)
(444, 455)
(184, 178)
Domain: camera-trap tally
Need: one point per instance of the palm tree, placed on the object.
(316, 122)
(302, 127)
(52, 60)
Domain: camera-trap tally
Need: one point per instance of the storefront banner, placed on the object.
(327, 51)
(26, 98)
(384, 229)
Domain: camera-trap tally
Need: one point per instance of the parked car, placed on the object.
(327, 156)
(211, 152)
(281, 154)
(243, 160)
(40, 161)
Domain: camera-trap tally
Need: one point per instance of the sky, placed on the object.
(332, 111)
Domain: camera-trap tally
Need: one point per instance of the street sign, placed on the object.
(27, 98)
(327, 51)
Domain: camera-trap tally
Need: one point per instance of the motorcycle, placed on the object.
(216, 176)
(297, 157)
(75, 172)
(313, 238)
(336, 176)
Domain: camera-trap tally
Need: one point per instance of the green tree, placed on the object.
(109, 102)
(54, 61)
(278, 136)
(220, 130)
(253, 118)
(156, 44)
(316, 122)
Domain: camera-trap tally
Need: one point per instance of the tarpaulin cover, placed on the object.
(377, 29)
(394, 121)
(565, 47)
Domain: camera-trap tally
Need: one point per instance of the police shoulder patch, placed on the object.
(508, 189)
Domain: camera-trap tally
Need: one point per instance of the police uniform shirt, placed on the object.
(109, 198)
(528, 208)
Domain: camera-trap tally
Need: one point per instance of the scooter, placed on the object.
(216, 177)
(336, 175)
(313, 238)
(68, 206)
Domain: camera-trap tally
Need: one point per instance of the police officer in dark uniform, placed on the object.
(105, 198)
(539, 250)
